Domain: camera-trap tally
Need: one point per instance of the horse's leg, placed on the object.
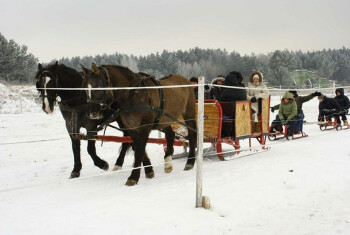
(170, 137)
(120, 160)
(146, 161)
(77, 162)
(124, 149)
(91, 148)
(75, 143)
(192, 139)
(90, 126)
(139, 140)
(148, 167)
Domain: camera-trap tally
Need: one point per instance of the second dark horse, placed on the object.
(142, 110)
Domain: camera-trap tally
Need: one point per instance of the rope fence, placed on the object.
(192, 85)
(30, 89)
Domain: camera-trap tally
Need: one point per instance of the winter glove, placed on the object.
(317, 93)
(253, 99)
(272, 109)
(284, 122)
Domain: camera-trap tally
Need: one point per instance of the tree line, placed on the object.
(17, 65)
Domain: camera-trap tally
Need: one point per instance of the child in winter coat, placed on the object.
(343, 101)
(328, 107)
(299, 100)
(287, 114)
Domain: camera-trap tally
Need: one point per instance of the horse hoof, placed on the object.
(168, 166)
(117, 168)
(150, 175)
(74, 175)
(105, 167)
(168, 169)
(130, 182)
(188, 167)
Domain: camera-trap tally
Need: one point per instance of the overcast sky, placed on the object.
(65, 28)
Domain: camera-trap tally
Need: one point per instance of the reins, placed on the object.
(141, 107)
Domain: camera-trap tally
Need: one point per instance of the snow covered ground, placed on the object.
(18, 99)
(298, 187)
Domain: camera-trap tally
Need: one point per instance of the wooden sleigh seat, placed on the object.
(221, 115)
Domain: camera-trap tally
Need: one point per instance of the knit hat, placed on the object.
(294, 93)
(321, 97)
(256, 76)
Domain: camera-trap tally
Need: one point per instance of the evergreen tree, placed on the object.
(16, 64)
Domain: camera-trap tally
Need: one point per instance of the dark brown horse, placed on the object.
(142, 110)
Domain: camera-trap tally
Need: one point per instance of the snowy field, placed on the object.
(298, 187)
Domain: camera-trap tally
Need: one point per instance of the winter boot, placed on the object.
(345, 122)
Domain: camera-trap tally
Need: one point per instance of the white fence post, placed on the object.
(200, 134)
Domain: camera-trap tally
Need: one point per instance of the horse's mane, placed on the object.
(70, 71)
(166, 77)
(57, 68)
(122, 68)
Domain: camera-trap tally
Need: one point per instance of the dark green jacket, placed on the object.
(299, 100)
(287, 111)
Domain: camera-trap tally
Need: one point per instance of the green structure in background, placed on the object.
(308, 79)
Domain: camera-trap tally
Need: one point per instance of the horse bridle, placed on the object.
(51, 75)
(103, 82)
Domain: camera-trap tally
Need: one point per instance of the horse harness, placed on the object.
(105, 82)
(134, 108)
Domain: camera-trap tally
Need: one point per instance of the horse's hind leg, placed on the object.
(120, 161)
(146, 161)
(139, 140)
(148, 167)
(192, 139)
(91, 148)
(170, 137)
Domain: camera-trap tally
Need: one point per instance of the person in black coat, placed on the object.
(328, 107)
(239, 78)
(231, 95)
(343, 102)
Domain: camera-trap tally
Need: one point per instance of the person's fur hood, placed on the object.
(261, 77)
(215, 80)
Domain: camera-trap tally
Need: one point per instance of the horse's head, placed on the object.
(46, 81)
(97, 99)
